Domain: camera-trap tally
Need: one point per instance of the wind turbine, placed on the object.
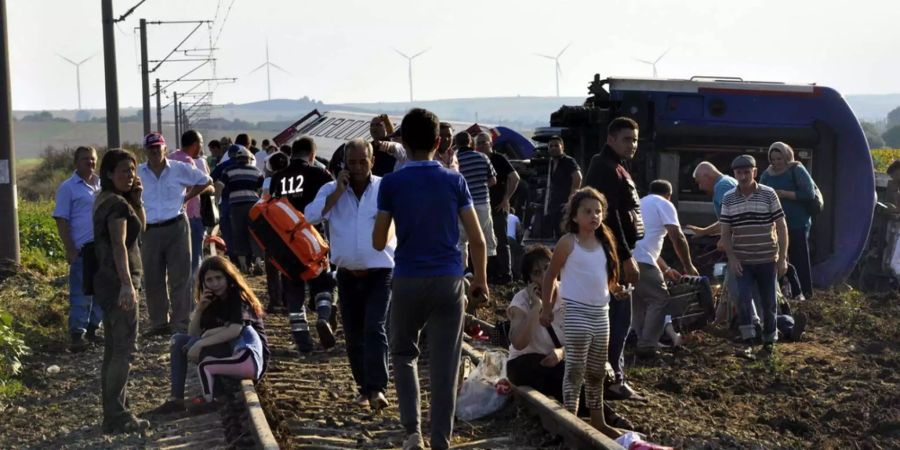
(269, 65)
(556, 62)
(77, 73)
(409, 60)
(653, 63)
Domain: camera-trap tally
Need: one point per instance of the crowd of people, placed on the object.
(418, 220)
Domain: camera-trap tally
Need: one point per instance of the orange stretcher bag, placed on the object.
(291, 244)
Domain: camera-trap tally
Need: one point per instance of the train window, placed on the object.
(689, 157)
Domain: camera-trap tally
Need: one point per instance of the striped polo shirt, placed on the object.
(477, 169)
(243, 183)
(752, 219)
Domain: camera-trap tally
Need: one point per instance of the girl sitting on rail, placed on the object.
(226, 336)
(586, 258)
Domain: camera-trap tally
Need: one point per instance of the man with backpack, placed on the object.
(299, 183)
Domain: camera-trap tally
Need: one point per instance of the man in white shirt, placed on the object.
(349, 204)
(651, 297)
(165, 244)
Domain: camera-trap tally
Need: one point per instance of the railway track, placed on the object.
(309, 403)
(306, 402)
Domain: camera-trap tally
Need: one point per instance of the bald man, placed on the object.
(713, 182)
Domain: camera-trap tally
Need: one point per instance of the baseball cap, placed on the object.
(154, 138)
(242, 152)
(233, 149)
(743, 161)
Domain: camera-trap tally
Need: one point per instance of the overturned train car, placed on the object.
(683, 122)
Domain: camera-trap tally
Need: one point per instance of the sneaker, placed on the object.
(614, 420)
(361, 400)
(169, 407)
(326, 335)
(414, 442)
(93, 337)
(799, 326)
(377, 401)
(161, 330)
(199, 405)
(78, 344)
(304, 341)
(746, 352)
(620, 391)
(130, 425)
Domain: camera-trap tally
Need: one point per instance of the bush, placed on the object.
(883, 157)
(38, 234)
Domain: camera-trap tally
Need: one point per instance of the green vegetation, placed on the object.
(883, 157)
(34, 294)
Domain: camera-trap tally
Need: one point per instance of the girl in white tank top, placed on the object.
(586, 258)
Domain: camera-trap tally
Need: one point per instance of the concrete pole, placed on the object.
(112, 85)
(9, 220)
(177, 120)
(145, 78)
(158, 108)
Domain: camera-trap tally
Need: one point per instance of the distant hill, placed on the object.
(873, 108)
(266, 118)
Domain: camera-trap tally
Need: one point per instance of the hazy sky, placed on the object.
(341, 51)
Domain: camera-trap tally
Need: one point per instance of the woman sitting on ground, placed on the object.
(226, 336)
(535, 355)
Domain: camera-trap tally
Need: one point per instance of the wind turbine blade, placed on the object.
(661, 56)
(558, 69)
(260, 67)
(67, 59)
(401, 53)
(86, 59)
(417, 54)
(544, 56)
(644, 61)
(279, 68)
(564, 49)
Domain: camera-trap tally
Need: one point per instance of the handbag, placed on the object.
(814, 205)
(89, 256)
(209, 211)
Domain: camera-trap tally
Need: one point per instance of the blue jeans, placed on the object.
(225, 229)
(83, 313)
(179, 362)
(197, 232)
(762, 276)
(364, 306)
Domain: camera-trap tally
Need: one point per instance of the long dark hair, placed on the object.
(235, 281)
(109, 163)
(603, 233)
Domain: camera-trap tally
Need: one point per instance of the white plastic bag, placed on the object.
(478, 396)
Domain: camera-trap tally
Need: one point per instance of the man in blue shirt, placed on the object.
(711, 181)
(426, 201)
(74, 220)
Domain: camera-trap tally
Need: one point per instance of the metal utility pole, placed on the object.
(177, 118)
(158, 108)
(9, 220)
(145, 78)
(112, 85)
(183, 122)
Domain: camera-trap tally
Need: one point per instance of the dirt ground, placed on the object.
(838, 389)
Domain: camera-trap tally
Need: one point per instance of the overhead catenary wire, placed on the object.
(128, 13)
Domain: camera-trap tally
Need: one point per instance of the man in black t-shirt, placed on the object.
(299, 183)
(379, 129)
(565, 178)
(501, 193)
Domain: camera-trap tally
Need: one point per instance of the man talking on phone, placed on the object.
(364, 274)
